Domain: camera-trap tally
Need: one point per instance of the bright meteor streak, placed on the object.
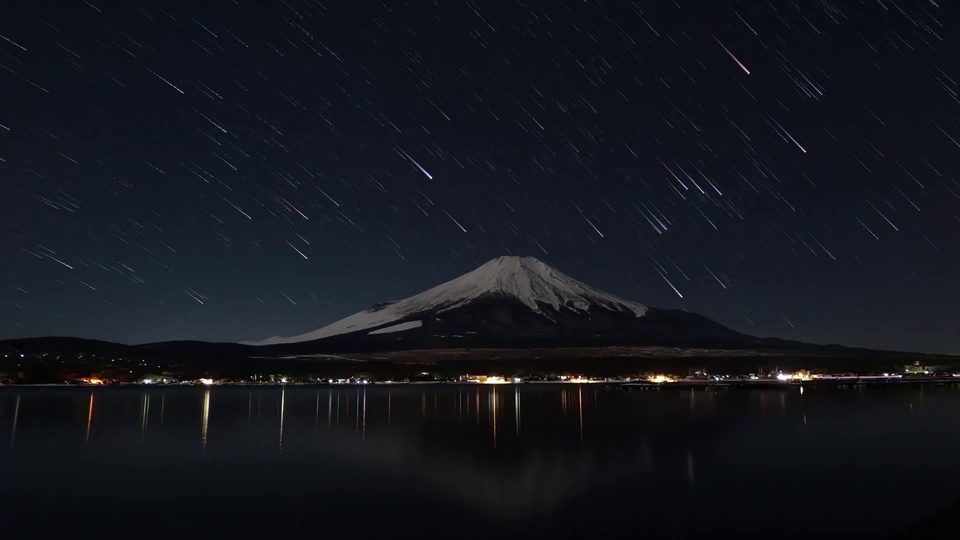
(735, 59)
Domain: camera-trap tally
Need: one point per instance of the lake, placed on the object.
(484, 461)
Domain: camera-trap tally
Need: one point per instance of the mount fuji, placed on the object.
(517, 308)
(514, 302)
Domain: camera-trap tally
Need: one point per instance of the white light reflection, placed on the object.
(89, 418)
(144, 415)
(516, 408)
(493, 413)
(206, 420)
(283, 405)
(16, 416)
(580, 392)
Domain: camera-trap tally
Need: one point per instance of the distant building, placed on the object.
(916, 368)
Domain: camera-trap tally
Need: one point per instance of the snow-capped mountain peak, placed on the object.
(529, 280)
(524, 279)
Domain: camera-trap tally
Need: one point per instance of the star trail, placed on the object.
(231, 170)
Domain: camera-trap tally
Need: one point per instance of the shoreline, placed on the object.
(846, 382)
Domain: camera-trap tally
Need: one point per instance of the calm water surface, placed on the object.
(473, 462)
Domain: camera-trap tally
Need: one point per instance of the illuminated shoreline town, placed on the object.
(697, 379)
(100, 370)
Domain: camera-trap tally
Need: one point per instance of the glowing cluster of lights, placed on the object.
(490, 379)
(206, 382)
(93, 380)
(798, 376)
(659, 379)
(576, 379)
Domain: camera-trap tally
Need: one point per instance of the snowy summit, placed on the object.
(527, 280)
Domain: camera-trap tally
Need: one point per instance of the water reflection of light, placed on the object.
(363, 431)
(690, 475)
(516, 407)
(144, 415)
(338, 408)
(206, 420)
(329, 408)
(89, 418)
(526, 479)
(580, 406)
(493, 413)
(283, 404)
(16, 416)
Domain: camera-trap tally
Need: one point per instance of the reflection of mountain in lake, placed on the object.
(537, 483)
(563, 461)
(526, 451)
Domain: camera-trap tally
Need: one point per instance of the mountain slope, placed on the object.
(526, 280)
(515, 301)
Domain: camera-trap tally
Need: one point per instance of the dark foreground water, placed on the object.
(473, 462)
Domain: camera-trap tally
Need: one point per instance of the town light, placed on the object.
(798, 376)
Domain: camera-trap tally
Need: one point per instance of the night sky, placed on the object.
(231, 170)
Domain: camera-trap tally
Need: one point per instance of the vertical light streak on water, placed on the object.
(205, 420)
(283, 405)
(516, 407)
(16, 416)
(144, 416)
(493, 413)
(580, 397)
(363, 432)
(89, 418)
